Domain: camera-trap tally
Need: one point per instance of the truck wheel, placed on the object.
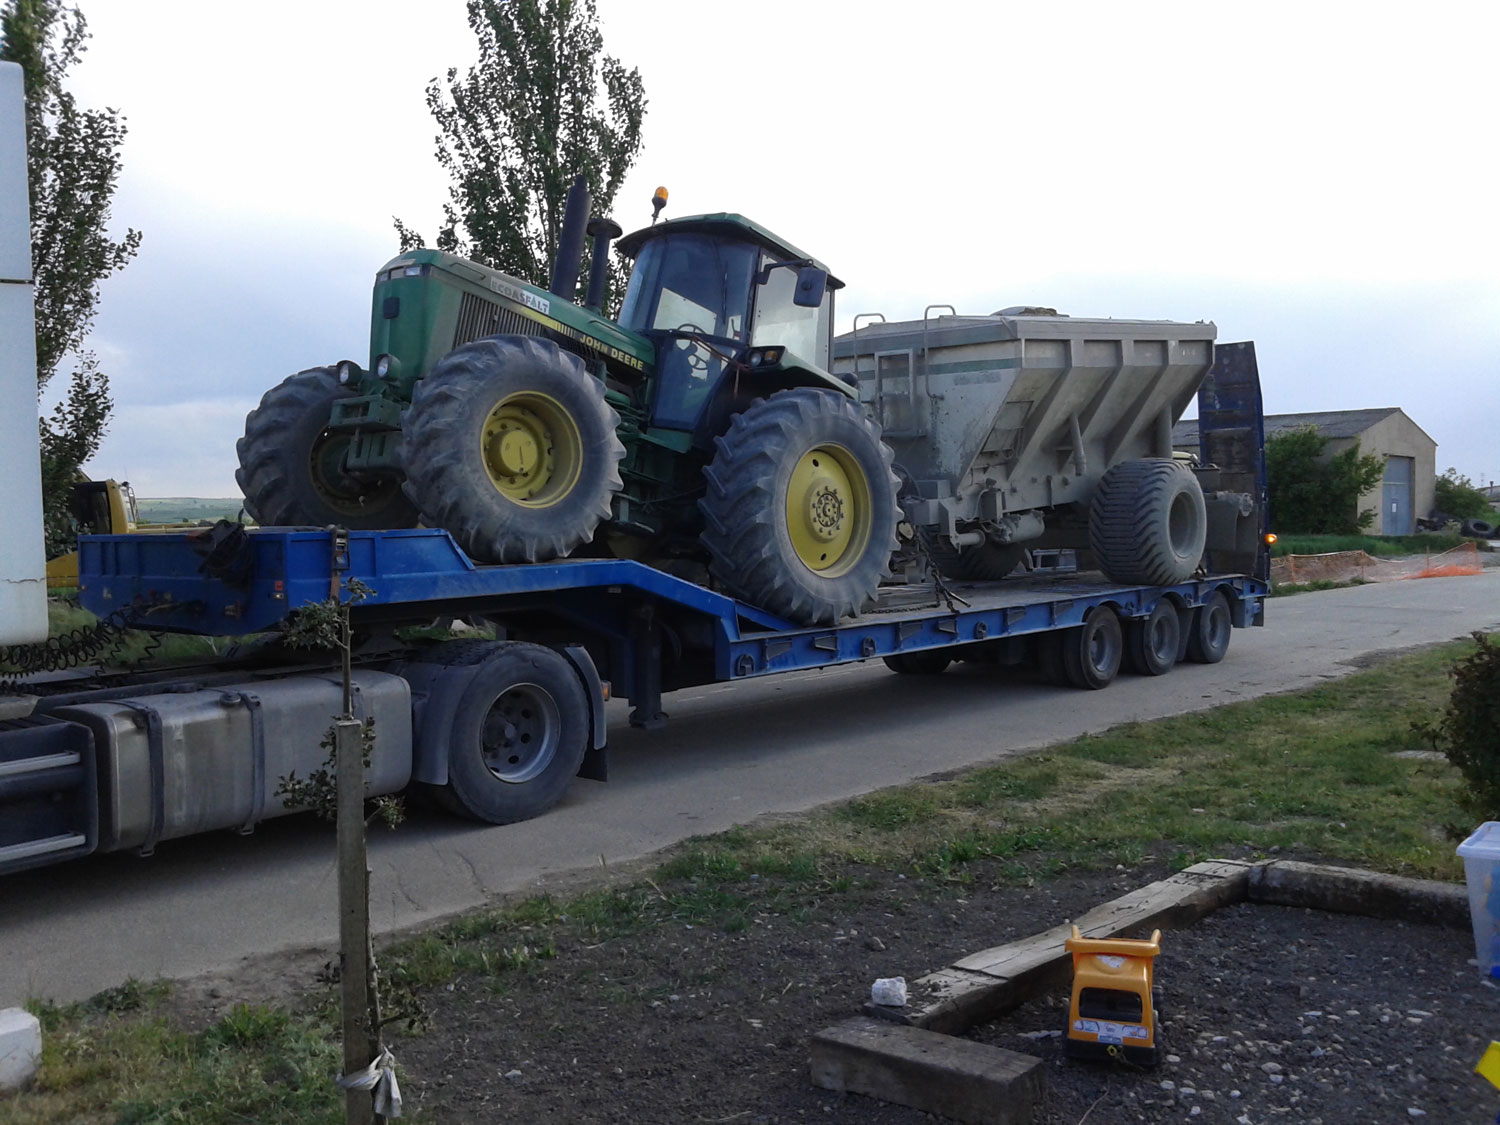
(510, 447)
(1092, 652)
(518, 735)
(1152, 643)
(1208, 636)
(1148, 522)
(929, 662)
(292, 469)
(800, 510)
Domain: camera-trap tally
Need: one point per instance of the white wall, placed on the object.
(23, 565)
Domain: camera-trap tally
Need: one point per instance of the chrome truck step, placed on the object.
(48, 792)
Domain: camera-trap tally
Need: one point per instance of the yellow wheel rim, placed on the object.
(531, 449)
(828, 510)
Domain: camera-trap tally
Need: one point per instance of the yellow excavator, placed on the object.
(100, 507)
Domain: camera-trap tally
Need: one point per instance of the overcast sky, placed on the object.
(1317, 177)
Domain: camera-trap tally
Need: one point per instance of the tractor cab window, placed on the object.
(778, 322)
(691, 293)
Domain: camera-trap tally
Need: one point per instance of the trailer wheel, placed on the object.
(1208, 636)
(292, 469)
(929, 662)
(1049, 656)
(1148, 522)
(1092, 652)
(518, 736)
(510, 447)
(799, 515)
(1153, 643)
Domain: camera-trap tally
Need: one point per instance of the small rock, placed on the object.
(1271, 1067)
(1168, 1084)
(1195, 1111)
(674, 998)
(1174, 1058)
(513, 1076)
(1277, 1079)
(1413, 1111)
(1206, 1095)
(1234, 1093)
(875, 944)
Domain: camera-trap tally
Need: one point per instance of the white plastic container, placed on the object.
(1481, 856)
(20, 1048)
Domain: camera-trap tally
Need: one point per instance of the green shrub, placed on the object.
(1468, 730)
(1316, 495)
(1456, 496)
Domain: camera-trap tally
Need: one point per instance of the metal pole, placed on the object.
(354, 914)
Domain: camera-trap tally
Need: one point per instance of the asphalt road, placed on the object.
(730, 753)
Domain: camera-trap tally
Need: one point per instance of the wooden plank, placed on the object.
(986, 984)
(1346, 890)
(955, 1078)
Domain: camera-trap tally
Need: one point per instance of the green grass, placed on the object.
(1388, 545)
(1312, 774)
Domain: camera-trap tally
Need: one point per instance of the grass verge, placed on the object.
(1313, 774)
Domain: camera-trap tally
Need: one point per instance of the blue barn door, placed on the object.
(1395, 511)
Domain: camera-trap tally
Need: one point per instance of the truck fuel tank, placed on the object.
(176, 763)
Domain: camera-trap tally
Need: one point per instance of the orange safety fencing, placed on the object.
(1347, 566)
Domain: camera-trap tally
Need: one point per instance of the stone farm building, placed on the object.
(1410, 458)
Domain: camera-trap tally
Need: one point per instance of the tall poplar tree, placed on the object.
(73, 165)
(542, 105)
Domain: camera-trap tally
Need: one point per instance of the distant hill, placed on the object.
(186, 509)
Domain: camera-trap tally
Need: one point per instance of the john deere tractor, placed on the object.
(701, 428)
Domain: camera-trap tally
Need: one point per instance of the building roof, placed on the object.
(1329, 423)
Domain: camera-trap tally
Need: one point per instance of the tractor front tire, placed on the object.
(1148, 522)
(291, 467)
(800, 509)
(510, 447)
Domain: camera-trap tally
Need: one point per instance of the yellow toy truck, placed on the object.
(1113, 1009)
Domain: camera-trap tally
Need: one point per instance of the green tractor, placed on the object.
(702, 429)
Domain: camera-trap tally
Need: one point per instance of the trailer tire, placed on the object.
(1093, 651)
(1208, 636)
(1049, 656)
(929, 662)
(1148, 522)
(291, 467)
(799, 513)
(1477, 529)
(517, 737)
(510, 447)
(1153, 644)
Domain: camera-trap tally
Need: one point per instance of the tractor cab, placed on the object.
(719, 293)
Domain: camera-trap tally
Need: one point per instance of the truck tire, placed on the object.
(1212, 626)
(1148, 522)
(510, 447)
(929, 662)
(800, 509)
(1092, 652)
(1153, 644)
(1477, 529)
(517, 736)
(291, 467)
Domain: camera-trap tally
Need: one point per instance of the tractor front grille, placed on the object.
(478, 318)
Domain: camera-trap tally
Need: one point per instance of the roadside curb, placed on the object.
(920, 1062)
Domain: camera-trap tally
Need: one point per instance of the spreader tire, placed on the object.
(510, 447)
(1148, 522)
(291, 467)
(800, 508)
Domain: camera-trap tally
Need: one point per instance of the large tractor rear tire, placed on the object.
(800, 511)
(1148, 522)
(510, 447)
(291, 467)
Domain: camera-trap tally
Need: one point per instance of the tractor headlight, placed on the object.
(387, 367)
(753, 359)
(348, 373)
(765, 357)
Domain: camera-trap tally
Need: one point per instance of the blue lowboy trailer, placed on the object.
(497, 729)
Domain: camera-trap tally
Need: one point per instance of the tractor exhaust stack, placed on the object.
(570, 244)
(602, 231)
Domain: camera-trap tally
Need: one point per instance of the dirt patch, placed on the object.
(1270, 1013)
